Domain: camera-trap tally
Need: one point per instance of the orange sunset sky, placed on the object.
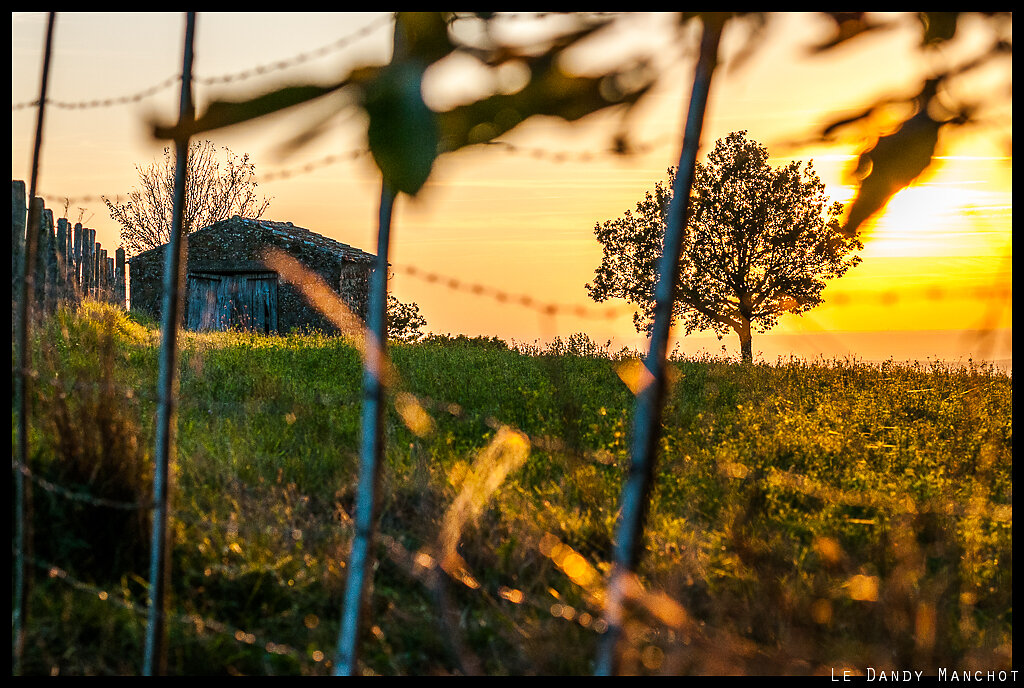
(936, 277)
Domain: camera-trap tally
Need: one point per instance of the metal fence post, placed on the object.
(21, 386)
(371, 448)
(649, 401)
(155, 660)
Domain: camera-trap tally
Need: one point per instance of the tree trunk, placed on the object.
(746, 351)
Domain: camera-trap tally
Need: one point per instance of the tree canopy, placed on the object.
(212, 193)
(405, 323)
(760, 241)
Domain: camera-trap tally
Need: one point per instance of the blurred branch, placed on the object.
(897, 157)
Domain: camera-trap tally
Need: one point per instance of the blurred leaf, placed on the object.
(225, 113)
(423, 36)
(550, 91)
(833, 126)
(403, 131)
(892, 164)
(502, 54)
(848, 25)
(404, 134)
(757, 23)
(938, 26)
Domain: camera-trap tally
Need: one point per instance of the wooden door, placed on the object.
(243, 300)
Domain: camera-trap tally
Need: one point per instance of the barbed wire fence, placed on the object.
(417, 565)
(422, 566)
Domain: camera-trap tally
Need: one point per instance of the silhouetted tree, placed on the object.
(405, 323)
(212, 193)
(760, 241)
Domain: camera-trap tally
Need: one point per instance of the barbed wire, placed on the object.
(620, 149)
(777, 478)
(102, 102)
(199, 623)
(423, 566)
(79, 496)
(260, 70)
(557, 157)
(890, 297)
(502, 296)
(131, 393)
(549, 444)
(263, 69)
(418, 566)
(279, 65)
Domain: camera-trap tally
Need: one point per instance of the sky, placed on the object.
(936, 278)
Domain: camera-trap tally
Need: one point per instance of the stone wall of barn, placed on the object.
(241, 247)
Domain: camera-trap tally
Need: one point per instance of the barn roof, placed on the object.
(289, 232)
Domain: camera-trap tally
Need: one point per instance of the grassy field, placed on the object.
(807, 518)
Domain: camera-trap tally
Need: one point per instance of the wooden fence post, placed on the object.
(87, 262)
(119, 278)
(39, 270)
(19, 216)
(62, 257)
(97, 271)
(77, 256)
(109, 272)
(51, 261)
(101, 272)
(69, 261)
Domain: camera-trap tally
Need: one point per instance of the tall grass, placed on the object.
(806, 516)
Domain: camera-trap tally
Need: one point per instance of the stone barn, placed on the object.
(230, 284)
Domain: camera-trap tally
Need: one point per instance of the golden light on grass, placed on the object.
(666, 609)
(511, 594)
(424, 561)
(327, 301)
(863, 588)
(315, 289)
(579, 570)
(821, 611)
(652, 657)
(637, 377)
(413, 414)
(635, 374)
(733, 469)
(828, 549)
(574, 565)
(506, 452)
(924, 626)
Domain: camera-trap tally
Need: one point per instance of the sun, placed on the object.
(925, 219)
